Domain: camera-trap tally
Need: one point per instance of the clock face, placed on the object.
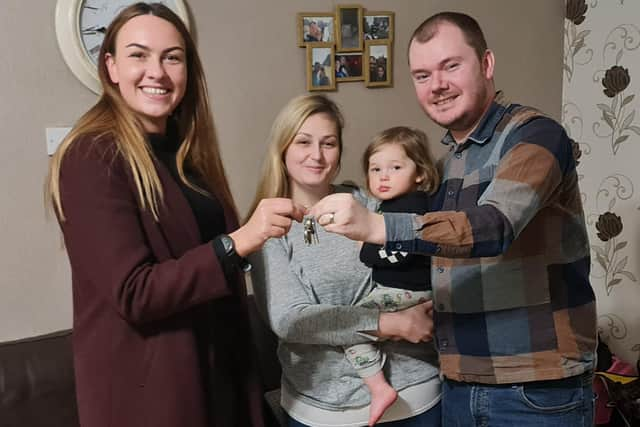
(94, 18)
(80, 29)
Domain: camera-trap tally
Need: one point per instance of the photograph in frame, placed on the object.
(349, 28)
(378, 26)
(315, 28)
(320, 67)
(378, 63)
(349, 67)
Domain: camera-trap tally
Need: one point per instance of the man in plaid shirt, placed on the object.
(515, 316)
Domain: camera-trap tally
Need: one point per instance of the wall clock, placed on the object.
(80, 28)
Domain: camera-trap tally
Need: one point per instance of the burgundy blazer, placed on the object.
(141, 291)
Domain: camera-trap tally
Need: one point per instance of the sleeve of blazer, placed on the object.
(108, 249)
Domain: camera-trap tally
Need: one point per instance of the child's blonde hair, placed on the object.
(414, 143)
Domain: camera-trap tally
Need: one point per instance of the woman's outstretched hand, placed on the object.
(272, 218)
(342, 214)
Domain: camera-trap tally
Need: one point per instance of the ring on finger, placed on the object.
(326, 218)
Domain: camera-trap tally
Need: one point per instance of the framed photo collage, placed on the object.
(346, 46)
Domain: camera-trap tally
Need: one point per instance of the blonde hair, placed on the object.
(111, 117)
(274, 180)
(415, 145)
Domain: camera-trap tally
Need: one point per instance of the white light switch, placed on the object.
(54, 138)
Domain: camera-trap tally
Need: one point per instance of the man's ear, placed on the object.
(488, 64)
(109, 60)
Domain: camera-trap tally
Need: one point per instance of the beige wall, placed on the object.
(254, 66)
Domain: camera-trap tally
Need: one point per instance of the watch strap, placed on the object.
(229, 258)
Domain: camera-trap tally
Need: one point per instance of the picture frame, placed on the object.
(349, 66)
(378, 25)
(321, 66)
(378, 63)
(316, 27)
(349, 20)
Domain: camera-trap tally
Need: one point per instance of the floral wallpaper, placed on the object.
(601, 80)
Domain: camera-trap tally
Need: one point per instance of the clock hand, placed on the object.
(94, 30)
(94, 49)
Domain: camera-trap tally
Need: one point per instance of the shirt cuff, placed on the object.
(401, 228)
(368, 321)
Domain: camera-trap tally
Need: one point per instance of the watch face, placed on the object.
(96, 15)
(227, 243)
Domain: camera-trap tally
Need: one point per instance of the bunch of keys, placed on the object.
(310, 234)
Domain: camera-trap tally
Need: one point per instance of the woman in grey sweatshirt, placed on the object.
(307, 291)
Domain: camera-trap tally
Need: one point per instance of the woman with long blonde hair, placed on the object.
(151, 232)
(274, 181)
(308, 281)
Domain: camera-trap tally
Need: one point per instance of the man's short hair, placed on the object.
(469, 27)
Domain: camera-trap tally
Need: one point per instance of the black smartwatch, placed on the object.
(225, 250)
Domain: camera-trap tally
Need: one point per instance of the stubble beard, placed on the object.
(464, 120)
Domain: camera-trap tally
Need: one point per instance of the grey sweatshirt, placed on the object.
(307, 294)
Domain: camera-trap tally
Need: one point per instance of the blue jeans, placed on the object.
(555, 403)
(430, 418)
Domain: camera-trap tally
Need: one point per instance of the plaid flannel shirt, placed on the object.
(510, 272)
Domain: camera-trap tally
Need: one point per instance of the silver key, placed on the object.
(310, 234)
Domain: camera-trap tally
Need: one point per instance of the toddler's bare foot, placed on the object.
(382, 396)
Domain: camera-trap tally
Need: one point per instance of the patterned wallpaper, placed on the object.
(601, 81)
